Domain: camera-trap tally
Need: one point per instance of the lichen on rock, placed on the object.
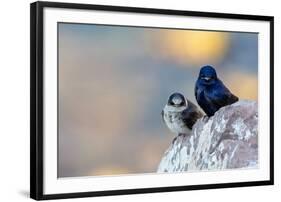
(227, 140)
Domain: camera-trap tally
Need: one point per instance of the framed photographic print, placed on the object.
(131, 100)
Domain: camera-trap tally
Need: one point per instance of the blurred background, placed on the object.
(114, 82)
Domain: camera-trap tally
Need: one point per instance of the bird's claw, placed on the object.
(205, 118)
(180, 134)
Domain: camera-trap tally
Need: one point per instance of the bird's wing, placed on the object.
(162, 116)
(191, 115)
(196, 91)
(222, 95)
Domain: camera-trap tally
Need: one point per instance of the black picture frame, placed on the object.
(36, 98)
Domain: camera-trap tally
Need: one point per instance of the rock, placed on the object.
(227, 140)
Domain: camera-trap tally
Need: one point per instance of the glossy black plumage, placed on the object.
(210, 92)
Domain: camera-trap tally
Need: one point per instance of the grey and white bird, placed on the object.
(180, 114)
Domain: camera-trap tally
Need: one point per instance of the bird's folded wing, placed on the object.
(191, 115)
(162, 116)
(222, 96)
(197, 91)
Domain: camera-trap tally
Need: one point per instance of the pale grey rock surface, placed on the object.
(227, 140)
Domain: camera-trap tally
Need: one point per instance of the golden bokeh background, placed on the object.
(114, 82)
(195, 47)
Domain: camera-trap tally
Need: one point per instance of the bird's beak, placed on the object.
(206, 78)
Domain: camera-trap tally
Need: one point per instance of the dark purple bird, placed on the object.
(210, 92)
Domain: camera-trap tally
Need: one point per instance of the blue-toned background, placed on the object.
(114, 82)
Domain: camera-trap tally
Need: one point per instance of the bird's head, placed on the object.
(177, 100)
(207, 75)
